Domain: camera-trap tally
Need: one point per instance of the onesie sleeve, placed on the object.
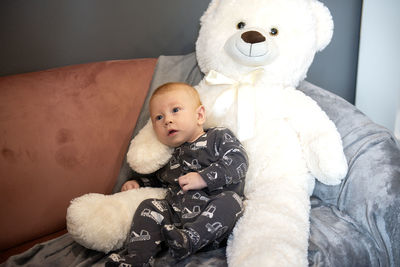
(231, 164)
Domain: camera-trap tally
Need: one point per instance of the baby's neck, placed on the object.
(200, 133)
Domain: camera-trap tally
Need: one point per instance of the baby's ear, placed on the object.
(201, 115)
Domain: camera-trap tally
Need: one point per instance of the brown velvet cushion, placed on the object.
(63, 133)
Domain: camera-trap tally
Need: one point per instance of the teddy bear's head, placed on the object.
(280, 36)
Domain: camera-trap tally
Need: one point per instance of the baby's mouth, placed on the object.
(172, 132)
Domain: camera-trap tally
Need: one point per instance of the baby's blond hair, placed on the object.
(175, 86)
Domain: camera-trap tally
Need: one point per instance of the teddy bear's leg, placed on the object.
(274, 228)
(102, 222)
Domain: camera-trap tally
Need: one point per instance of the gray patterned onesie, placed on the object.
(188, 222)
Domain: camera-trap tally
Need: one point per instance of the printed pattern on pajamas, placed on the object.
(205, 217)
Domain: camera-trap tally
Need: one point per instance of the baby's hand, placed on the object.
(190, 181)
(130, 185)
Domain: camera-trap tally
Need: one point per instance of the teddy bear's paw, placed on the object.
(146, 154)
(98, 221)
(327, 162)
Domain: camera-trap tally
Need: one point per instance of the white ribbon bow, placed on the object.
(241, 92)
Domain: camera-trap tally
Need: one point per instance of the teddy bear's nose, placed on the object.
(253, 37)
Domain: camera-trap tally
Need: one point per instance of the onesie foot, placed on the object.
(116, 260)
(178, 241)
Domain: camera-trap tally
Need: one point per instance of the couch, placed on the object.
(65, 132)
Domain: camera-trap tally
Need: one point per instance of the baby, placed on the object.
(205, 181)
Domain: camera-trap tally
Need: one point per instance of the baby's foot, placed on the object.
(177, 240)
(115, 260)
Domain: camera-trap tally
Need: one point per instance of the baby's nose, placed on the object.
(168, 120)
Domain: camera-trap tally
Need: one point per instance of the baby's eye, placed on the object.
(159, 117)
(174, 110)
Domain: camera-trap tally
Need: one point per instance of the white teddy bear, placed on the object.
(254, 54)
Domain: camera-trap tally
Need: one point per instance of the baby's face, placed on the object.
(176, 118)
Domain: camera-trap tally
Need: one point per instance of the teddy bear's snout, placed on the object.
(251, 47)
(253, 37)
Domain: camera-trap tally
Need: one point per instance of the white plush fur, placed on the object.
(147, 151)
(102, 222)
(294, 141)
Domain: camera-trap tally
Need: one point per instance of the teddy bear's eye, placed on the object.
(240, 25)
(273, 31)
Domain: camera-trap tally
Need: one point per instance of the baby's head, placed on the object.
(177, 114)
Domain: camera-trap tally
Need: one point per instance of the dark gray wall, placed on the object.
(42, 34)
(335, 68)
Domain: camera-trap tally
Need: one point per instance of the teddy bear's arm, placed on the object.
(319, 138)
(146, 154)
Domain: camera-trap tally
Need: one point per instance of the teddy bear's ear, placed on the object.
(210, 10)
(324, 24)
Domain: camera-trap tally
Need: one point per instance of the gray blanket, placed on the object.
(356, 223)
